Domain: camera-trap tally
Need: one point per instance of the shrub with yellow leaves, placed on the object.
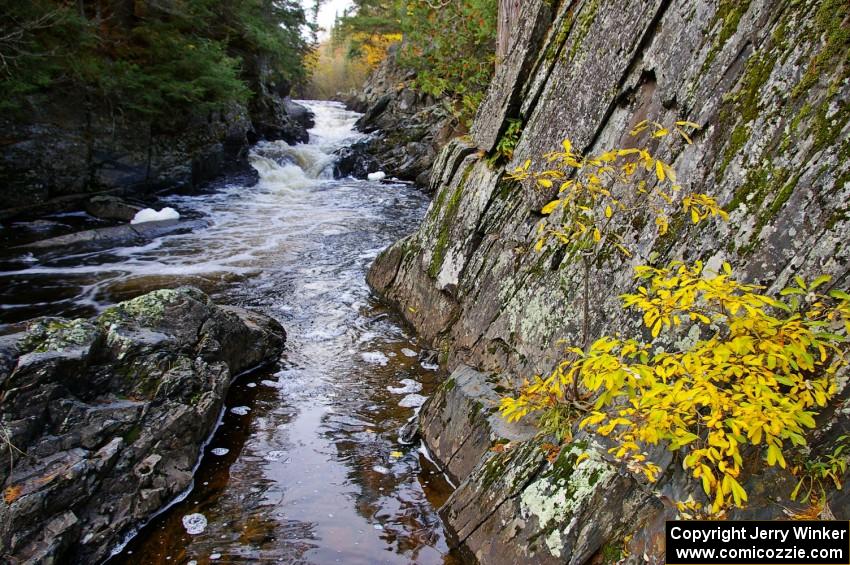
(763, 368)
(590, 187)
(754, 377)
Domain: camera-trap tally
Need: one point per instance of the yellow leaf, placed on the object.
(396, 454)
(549, 208)
(597, 235)
(545, 183)
(582, 457)
(608, 212)
(659, 171)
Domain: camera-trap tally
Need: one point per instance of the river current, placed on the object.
(306, 466)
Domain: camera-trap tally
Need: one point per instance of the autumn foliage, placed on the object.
(722, 368)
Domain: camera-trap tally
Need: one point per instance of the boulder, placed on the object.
(103, 420)
(460, 423)
(298, 112)
(113, 236)
(355, 161)
(112, 208)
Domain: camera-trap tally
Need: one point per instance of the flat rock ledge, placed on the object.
(513, 505)
(101, 421)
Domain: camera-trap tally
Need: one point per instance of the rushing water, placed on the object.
(312, 471)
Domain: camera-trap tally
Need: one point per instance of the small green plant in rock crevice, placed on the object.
(504, 150)
(814, 475)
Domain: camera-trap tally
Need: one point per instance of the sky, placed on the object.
(328, 12)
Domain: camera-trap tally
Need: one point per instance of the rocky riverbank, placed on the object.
(407, 127)
(101, 421)
(772, 149)
(61, 153)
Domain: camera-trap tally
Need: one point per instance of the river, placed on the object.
(308, 468)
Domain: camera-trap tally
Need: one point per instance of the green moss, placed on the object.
(611, 553)
(826, 126)
(740, 136)
(833, 35)
(446, 222)
(57, 334)
(132, 435)
(583, 24)
(494, 469)
(477, 408)
(729, 14)
(448, 385)
(762, 197)
(149, 308)
(747, 99)
(781, 198)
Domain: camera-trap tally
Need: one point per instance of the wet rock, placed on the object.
(104, 238)
(355, 161)
(112, 208)
(108, 416)
(366, 123)
(409, 432)
(298, 112)
(517, 507)
(460, 425)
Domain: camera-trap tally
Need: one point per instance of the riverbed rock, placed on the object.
(107, 417)
(355, 161)
(112, 208)
(113, 236)
(772, 149)
(519, 507)
(298, 112)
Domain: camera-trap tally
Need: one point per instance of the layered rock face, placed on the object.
(67, 149)
(408, 127)
(768, 83)
(101, 421)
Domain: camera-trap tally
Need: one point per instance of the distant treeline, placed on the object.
(450, 44)
(148, 58)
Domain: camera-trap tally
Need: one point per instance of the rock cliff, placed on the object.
(101, 421)
(407, 127)
(70, 147)
(768, 82)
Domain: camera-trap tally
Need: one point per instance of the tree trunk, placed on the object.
(508, 18)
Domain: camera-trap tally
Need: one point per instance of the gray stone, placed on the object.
(460, 425)
(103, 238)
(470, 282)
(112, 208)
(111, 415)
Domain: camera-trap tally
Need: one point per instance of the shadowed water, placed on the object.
(312, 471)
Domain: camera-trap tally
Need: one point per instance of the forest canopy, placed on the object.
(147, 58)
(450, 45)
